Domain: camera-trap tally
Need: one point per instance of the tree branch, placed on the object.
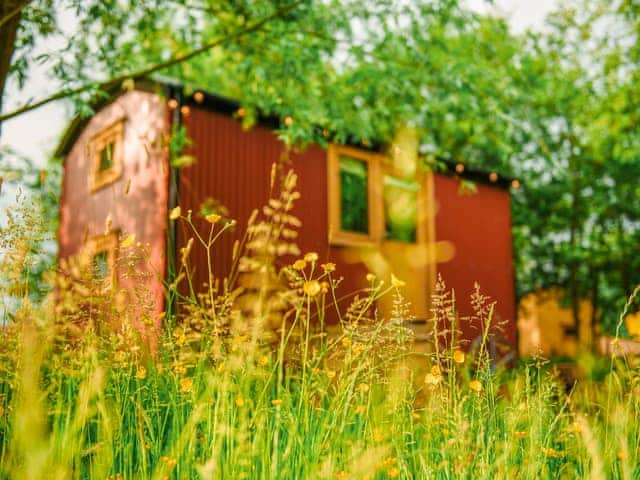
(17, 9)
(64, 93)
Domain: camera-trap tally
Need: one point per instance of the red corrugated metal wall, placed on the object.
(233, 167)
(479, 226)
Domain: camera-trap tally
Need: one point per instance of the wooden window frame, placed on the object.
(114, 133)
(378, 166)
(109, 243)
(338, 236)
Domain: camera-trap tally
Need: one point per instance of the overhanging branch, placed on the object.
(64, 93)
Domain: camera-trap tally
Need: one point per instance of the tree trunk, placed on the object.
(10, 13)
(574, 291)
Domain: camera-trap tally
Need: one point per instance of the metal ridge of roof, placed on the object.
(228, 106)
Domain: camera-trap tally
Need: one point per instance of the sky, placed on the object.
(35, 134)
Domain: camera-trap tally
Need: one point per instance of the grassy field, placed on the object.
(239, 385)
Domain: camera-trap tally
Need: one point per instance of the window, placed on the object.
(354, 196)
(105, 151)
(102, 254)
(370, 202)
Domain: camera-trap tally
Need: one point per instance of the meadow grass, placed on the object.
(252, 384)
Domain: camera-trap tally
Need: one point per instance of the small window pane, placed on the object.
(100, 265)
(106, 157)
(400, 209)
(354, 198)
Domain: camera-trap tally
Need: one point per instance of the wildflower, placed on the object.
(315, 371)
(416, 415)
(346, 341)
(239, 402)
(458, 356)
(299, 265)
(378, 435)
(396, 282)
(141, 373)
(328, 267)
(311, 288)
(361, 409)
(370, 277)
(575, 427)
(520, 435)
(324, 287)
(475, 385)
(363, 387)
(129, 241)
(621, 455)
(275, 402)
(393, 472)
(432, 380)
(120, 356)
(263, 360)
(168, 461)
(175, 213)
(179, 369)
(330, 374)
(553, 453)
(212, 218)
(311, 257)
(186, 385)
(435, 370)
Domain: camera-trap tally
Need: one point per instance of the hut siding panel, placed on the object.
(143, 211)
(233, 166)
(479, 226)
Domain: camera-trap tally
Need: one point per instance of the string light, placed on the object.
(459, 168)
(185, 111)
(288, 121)
(172, 103)
(241, 112)
(198, 97)
(493, 177)
(515, 184)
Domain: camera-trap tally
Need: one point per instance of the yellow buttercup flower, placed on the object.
(370, 277)
(175, 213)
(330, 374)
(475, 385)
(275, 402)
(141, 373)
(328, 267)
(186, 385)
(311, 257)
(458, 356)
(312, 288)
(299, 265)
(239, 401)
(263, 360)
(129, 241)
(213, 218)
(363, 387)
(431, 379)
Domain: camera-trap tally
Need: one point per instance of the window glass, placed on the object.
(106, 157)
(101, 265)
(354, 197)
(400, 208)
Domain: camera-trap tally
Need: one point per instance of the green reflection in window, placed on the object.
(106, 157)
(100, 265)
(400, 209)
(354, 198)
